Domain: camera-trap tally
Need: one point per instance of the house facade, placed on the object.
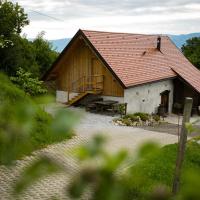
(143, 71)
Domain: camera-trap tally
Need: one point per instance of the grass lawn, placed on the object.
(158, 168)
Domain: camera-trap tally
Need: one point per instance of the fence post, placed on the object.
(68, 94)
(182, 144)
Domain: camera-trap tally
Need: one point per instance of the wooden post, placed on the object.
(68, 94)
(182, 145)
(178, 128)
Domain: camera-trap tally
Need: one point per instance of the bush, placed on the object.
(143, 116)
(156, 118)
(24, 126)
(31, 86)
(10, 93)
(132, 117)
(41, 134)
(127, 121)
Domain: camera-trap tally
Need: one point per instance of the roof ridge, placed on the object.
(113, 32)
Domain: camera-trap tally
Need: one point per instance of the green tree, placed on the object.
(12, 20)
(21, 54)
(25, 81)
(45, 56)
(16, 51)
(192, 51)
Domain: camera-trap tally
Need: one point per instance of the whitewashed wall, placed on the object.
(146, 98)
(62, 96)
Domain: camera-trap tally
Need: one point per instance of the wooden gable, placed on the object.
(79, 61)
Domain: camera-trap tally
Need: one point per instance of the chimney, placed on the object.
(159, 43)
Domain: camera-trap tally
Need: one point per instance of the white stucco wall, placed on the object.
(146, 98)
(62, 96)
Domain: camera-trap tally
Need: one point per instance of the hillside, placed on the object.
(60, 44)
(179, 40)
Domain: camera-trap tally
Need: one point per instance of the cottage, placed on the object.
(142, 70)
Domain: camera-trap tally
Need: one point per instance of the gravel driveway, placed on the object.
(119, 137)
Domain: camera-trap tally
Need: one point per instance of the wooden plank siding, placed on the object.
(81, 61)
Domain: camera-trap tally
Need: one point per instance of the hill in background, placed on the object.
(179, 40)
(60, 44)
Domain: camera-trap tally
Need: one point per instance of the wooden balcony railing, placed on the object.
(93, 83)
(88, 83)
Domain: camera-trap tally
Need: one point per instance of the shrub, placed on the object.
(127, 121)
(9, 93)
(156, 118)
(41, 134)
(143, 116)
(31, 86)
(132, 117)
(24, 126)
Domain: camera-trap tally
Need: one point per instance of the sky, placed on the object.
(62, 18)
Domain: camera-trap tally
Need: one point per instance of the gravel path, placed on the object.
(119, 137)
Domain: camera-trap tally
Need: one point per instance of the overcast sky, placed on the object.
(62, 18)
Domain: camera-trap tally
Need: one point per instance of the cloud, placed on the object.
(66, 16)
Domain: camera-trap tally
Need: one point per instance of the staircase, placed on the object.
(84, 86)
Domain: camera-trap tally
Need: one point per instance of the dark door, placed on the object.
(165, 100)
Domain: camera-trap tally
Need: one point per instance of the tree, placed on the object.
(25, 81)
(21, 54)
(12, 20)
(45, 56)
(192, 51)
(18, 52)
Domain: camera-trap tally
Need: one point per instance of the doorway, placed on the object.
(165, 100)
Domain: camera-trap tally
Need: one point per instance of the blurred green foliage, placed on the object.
(41, 168)
(24, 125)
(116, 176)
(158, 167)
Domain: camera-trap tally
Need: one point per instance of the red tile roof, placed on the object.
(135, 59)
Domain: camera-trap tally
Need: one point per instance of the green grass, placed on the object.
(41, 134)
(158, 168)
